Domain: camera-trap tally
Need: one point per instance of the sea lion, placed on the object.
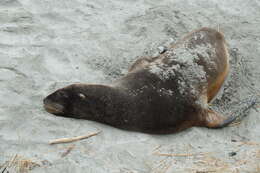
(163, 94)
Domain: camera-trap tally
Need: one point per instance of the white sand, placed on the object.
(48, 44)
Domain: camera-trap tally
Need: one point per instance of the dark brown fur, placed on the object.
(134, 103)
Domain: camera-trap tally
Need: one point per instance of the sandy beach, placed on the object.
(49, 44)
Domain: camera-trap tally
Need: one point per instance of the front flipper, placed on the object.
(140, 63)
(213, 119)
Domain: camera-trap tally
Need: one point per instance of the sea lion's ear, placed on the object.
(82, 96)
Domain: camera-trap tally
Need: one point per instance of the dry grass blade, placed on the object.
(248, 143)
(24, 165)
(4, 168)
(166, 168)
(19, 164)
(67, 151)
(208, 171)
(234, 124)
(178, 155)
(67, 140)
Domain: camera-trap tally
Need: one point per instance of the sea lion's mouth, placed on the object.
(54, 108)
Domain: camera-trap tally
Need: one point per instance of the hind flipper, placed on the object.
(213, 119)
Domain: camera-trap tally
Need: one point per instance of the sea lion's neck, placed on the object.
(102, 103)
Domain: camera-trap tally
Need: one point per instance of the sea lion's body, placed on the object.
(162, 94)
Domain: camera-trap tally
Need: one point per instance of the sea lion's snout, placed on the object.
(53, 108)
(56, 102)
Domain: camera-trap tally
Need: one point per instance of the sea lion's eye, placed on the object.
(82, 96)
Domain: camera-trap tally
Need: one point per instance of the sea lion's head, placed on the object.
(82, 101)
(59, 102)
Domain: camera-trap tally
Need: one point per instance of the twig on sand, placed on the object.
(67, 140)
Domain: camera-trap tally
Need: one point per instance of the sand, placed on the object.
(48, 44)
